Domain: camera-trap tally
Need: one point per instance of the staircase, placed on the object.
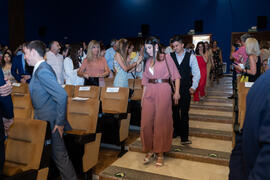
(207, 158)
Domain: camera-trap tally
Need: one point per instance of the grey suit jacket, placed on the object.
(49, 99)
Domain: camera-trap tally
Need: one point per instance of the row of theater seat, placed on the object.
(91, 111)
(27, 154)
(241, 92)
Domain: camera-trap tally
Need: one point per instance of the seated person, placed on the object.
(20, 69)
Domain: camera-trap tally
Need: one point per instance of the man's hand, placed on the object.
(6, 89)
(192, 91)
(176, 97)
(23, 80)
(86, 75)
(26, 77)
(60, 129)
(7, 123)
(237, 67)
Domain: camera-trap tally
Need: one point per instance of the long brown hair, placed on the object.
(74, 55)
(153, 41)
(122, 48)
(3, 62)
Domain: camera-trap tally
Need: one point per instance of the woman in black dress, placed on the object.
(217, 70)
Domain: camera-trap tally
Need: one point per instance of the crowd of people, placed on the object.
(170, 77)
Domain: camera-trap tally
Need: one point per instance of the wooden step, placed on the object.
(174, 169)
(211, 125)
(189, 153)
(226, 100)
(210, 133)
(210, 113)
(220, 90)
(207, 118)
(220, 93)
(217, 104)
(209, 107)
(114, 173)
(223, 87)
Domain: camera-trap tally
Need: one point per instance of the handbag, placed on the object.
(170, 79)
(244, 78)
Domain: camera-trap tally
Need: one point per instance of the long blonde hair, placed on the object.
(252, 47)
(89, 55)
(122, 48)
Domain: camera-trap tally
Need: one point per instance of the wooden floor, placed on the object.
(108, 156)
(206, 158)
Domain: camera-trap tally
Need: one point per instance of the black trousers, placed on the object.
(2, 144)
(181, 119)
(91, 81)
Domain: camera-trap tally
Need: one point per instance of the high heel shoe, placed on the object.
(160, 161)
(148, 158)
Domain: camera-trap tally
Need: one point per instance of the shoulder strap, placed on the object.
(168, 67)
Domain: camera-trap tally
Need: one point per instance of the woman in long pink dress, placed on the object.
(202, 60)
(156, 117)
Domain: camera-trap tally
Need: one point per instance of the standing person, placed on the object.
(252, 68)
(265, 53)
(138, 71)
(250, 158)
(49, 101)
(94, 67)
(56, 61)
(6, 113)
(156, 119)
(187, 65)
(6, 67)
(71, 66)
(20, 69)
(240, 54)
(169, 49)
(202, 60)
(109, 55)
(217, 70)
(121, 66)
(209, 56)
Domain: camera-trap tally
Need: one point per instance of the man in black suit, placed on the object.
(250, 158)
(189, 71)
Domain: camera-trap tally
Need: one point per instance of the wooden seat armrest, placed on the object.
(29, 174)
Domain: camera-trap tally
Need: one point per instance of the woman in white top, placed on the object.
(72, 64)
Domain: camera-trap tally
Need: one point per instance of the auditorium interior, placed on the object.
(105, 142)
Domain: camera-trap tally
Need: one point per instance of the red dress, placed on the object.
(200, 91)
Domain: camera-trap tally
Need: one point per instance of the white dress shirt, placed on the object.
(37, 65)
(195, 70)
(56, 62)
(71, 76)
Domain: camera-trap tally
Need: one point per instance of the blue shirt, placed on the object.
(109, 56)
(23, 61)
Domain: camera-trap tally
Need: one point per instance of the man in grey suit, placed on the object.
(49, 100)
